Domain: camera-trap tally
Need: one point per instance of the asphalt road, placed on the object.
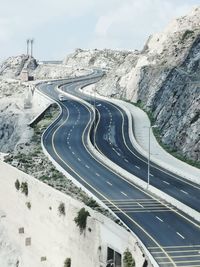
(112, 140)
(172, 237)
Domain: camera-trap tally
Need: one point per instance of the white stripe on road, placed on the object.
(166, 182)
(79, 159)
(97, 174)
(87, 166)
(126, 160)
(151, 174)
(123, 193)
(184, 192)
(109, 183)
(140, 205)
(73, 152)
(180, 235)
(137, 167)
(159, 219)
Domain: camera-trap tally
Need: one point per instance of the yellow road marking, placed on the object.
(156, 167)
(131, 219)
(131, 183)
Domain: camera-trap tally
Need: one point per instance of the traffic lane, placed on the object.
(120, 154)
(104, 188)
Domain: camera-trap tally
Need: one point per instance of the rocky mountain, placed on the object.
(163, 79)
(13, 66)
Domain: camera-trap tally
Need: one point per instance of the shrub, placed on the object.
(28, 204)
(61, 208)
(128, 259)
(17, 184)
(67, 262)
(24, 188)
(81, 219)
(92, 203)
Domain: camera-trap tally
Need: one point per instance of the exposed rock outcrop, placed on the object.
(164, 78)
(13, 66)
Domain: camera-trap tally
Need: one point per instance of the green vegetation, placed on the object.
(157, 134)
(17, 185)
(61, 208)
(91, 203)
(128, 259)
(81, 219)
(67, 262)
(28, 204)
(24, 188)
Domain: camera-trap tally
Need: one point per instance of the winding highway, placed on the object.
(172, 237)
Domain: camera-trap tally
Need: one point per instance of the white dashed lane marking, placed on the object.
(180, 235)
(109, 183)
(123, 193)
(184, 192)
(166, 182)
(159, 219)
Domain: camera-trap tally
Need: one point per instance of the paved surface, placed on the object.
(112, 140)
(160, 227)
(158, 154)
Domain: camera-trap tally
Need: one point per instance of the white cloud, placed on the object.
(129, 25)
(110, 23)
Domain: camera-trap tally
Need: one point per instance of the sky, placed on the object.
(60, 26)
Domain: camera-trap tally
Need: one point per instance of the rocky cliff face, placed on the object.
(13, 66)
(163, 77)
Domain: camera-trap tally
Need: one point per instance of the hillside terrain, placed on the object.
(163, 79)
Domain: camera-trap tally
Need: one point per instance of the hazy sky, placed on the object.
(60, 26)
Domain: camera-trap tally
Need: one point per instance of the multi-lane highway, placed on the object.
(171, 236)
(112, 139)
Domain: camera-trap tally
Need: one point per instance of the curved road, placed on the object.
(171, 237)
(112, 140)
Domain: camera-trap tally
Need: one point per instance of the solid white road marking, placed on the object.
(109, 183)
(159, 219)
(123, 193)
(166, 182)
(180, 235)
(184, 192)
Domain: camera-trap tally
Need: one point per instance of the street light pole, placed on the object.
(148, 175)
(149, 155)
(94, 116)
